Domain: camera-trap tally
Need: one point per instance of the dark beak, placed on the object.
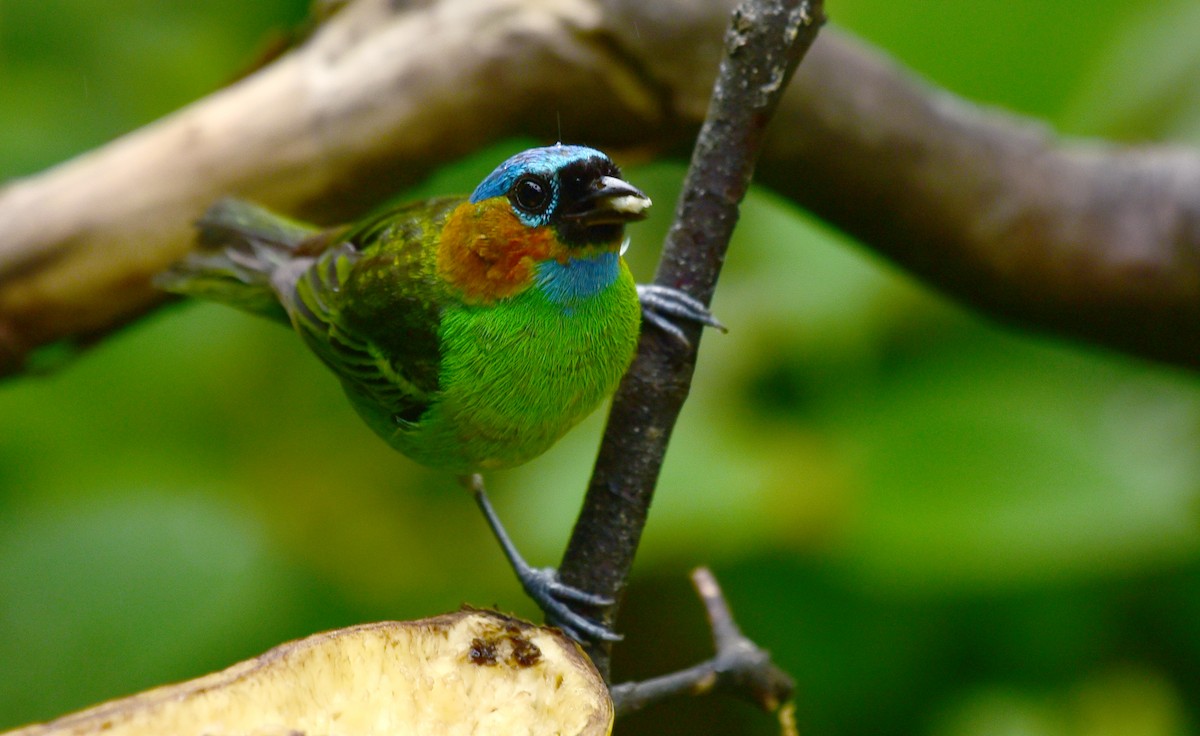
(611, 201)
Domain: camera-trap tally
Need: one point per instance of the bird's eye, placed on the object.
(531, 194)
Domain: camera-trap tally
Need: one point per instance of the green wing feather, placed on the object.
(371, 306)
(365, 298)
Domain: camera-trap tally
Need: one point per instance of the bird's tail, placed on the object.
(242, 246)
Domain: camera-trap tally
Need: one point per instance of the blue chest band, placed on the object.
(571, 282)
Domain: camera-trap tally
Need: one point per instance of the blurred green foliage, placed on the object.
(939, 526)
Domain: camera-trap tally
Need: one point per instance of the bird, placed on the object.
(470, 333)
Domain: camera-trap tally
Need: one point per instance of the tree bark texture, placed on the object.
(765, 42)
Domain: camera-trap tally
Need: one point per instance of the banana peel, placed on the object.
(463, 673)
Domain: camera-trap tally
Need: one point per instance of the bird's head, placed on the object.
(564, 205)
(576, 191)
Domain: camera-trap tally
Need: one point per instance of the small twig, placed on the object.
(739, 668)
(763, 45)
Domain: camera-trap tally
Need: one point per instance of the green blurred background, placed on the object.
(939, 526)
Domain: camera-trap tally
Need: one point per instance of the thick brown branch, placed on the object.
(1099, 243)
(366, 107)
(1094, 241)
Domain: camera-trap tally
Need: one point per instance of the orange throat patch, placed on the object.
(488, 254)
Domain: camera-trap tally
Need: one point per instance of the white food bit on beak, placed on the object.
(624, 246)
(630, 204)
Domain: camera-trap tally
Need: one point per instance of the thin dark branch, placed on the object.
(763, 46)
(739, 668)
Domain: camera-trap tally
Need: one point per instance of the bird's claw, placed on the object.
(548, 581)
(663, 304)
(554, 598)
(552, 595)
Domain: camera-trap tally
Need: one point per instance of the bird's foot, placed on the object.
(557, 599)
(663, 305)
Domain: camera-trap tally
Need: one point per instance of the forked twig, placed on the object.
(739, 666)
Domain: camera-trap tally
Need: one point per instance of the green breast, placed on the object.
(517, 374)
